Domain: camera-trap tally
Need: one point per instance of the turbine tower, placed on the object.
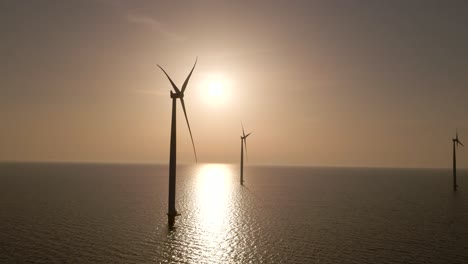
(243, 142)
(176, 94)
(456, 142)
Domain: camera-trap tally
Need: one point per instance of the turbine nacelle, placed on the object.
(456, 140)
(177, 95)
(244, 138)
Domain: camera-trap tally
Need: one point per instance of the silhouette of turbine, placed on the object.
(176, 94)
(456, 142)
(243, 142)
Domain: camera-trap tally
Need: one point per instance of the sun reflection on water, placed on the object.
(212, 194)
(213, 209)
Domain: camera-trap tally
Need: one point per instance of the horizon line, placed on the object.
(260, 164)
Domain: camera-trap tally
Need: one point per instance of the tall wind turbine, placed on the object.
(176, 94)
(455, 141)
(243, 142)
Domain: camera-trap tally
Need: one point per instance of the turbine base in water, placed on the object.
(171, 218)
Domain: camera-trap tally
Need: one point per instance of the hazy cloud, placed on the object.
(148, 21)
(151, 92)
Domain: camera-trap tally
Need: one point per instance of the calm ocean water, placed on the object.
(59, 213)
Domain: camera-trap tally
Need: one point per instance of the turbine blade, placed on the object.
(247, 135)
(190, 131)
(243, 133)
(184, 86)
(245, 143)
(173, 84)
(461, 143)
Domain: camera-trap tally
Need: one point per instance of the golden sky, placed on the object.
(332, 83)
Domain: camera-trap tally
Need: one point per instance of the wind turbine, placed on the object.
(455, 141)
(176, 94)
(243, 142)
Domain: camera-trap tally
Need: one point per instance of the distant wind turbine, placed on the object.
(243, 142)
(176, 94)
(455, 141)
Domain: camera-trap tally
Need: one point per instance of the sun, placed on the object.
(216, 89)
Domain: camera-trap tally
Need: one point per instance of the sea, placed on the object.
(117, 213)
